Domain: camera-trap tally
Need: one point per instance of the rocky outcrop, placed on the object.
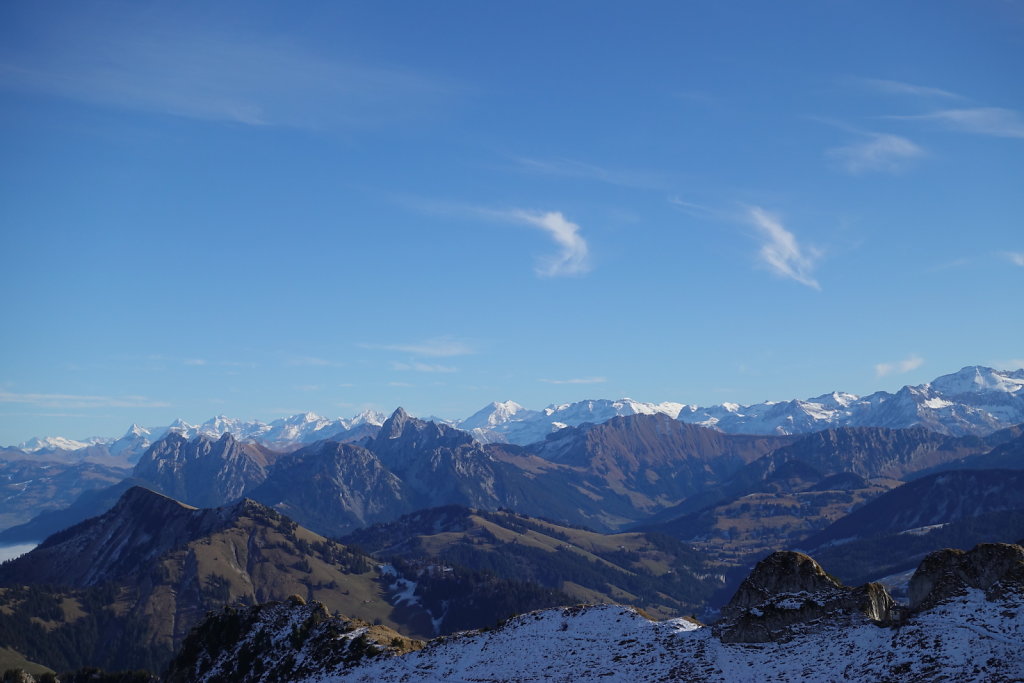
(995, 568)
(788, 592)
(279, 641)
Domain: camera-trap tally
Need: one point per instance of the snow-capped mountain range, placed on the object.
(974, 400)
(297, 429)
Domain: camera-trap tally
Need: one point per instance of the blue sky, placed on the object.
(253, 209)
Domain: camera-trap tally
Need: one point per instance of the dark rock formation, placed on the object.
(996, 568)
(789, 591)
(243, 645)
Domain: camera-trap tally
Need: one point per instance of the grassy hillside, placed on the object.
(661, 575)
(136, 619)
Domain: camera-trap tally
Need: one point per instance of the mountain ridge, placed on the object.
(974, 400)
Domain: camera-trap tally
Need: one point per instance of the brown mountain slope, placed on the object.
(150, 568)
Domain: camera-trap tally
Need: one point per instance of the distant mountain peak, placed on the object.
(136, 430)
(978, 378)
(51, 443)
(394, 426)
(304, 418)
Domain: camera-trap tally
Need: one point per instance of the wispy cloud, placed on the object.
(877, 152)
(437, 347)
(901, 88)
(422, 367)
(80, 401)
(404, 385)
(1016, 257)
(994, 121)
(579, 380)
(780, 250)
(194, 361)
(147, 61)
(699, 210)
(899, 367)
(573, 255)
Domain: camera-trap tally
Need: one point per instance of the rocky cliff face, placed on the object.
(997, 569)
(403, 438)
(789, 593)
(333, 488)
(204, 472)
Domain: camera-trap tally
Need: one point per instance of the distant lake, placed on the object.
(9, 552)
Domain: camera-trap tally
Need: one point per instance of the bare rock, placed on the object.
(789, 593)
(996, 568)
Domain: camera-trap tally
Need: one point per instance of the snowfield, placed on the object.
(965, 639)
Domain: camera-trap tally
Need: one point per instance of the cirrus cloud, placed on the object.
(899, 367)
(781, 252)
(573, 255)
(1016, 257)
(80, 401)
(879, 152)
(436, 347)
(994, 121)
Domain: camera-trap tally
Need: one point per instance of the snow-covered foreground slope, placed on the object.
(968, 639)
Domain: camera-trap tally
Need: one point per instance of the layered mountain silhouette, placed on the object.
(973, 401)
(647, 469)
